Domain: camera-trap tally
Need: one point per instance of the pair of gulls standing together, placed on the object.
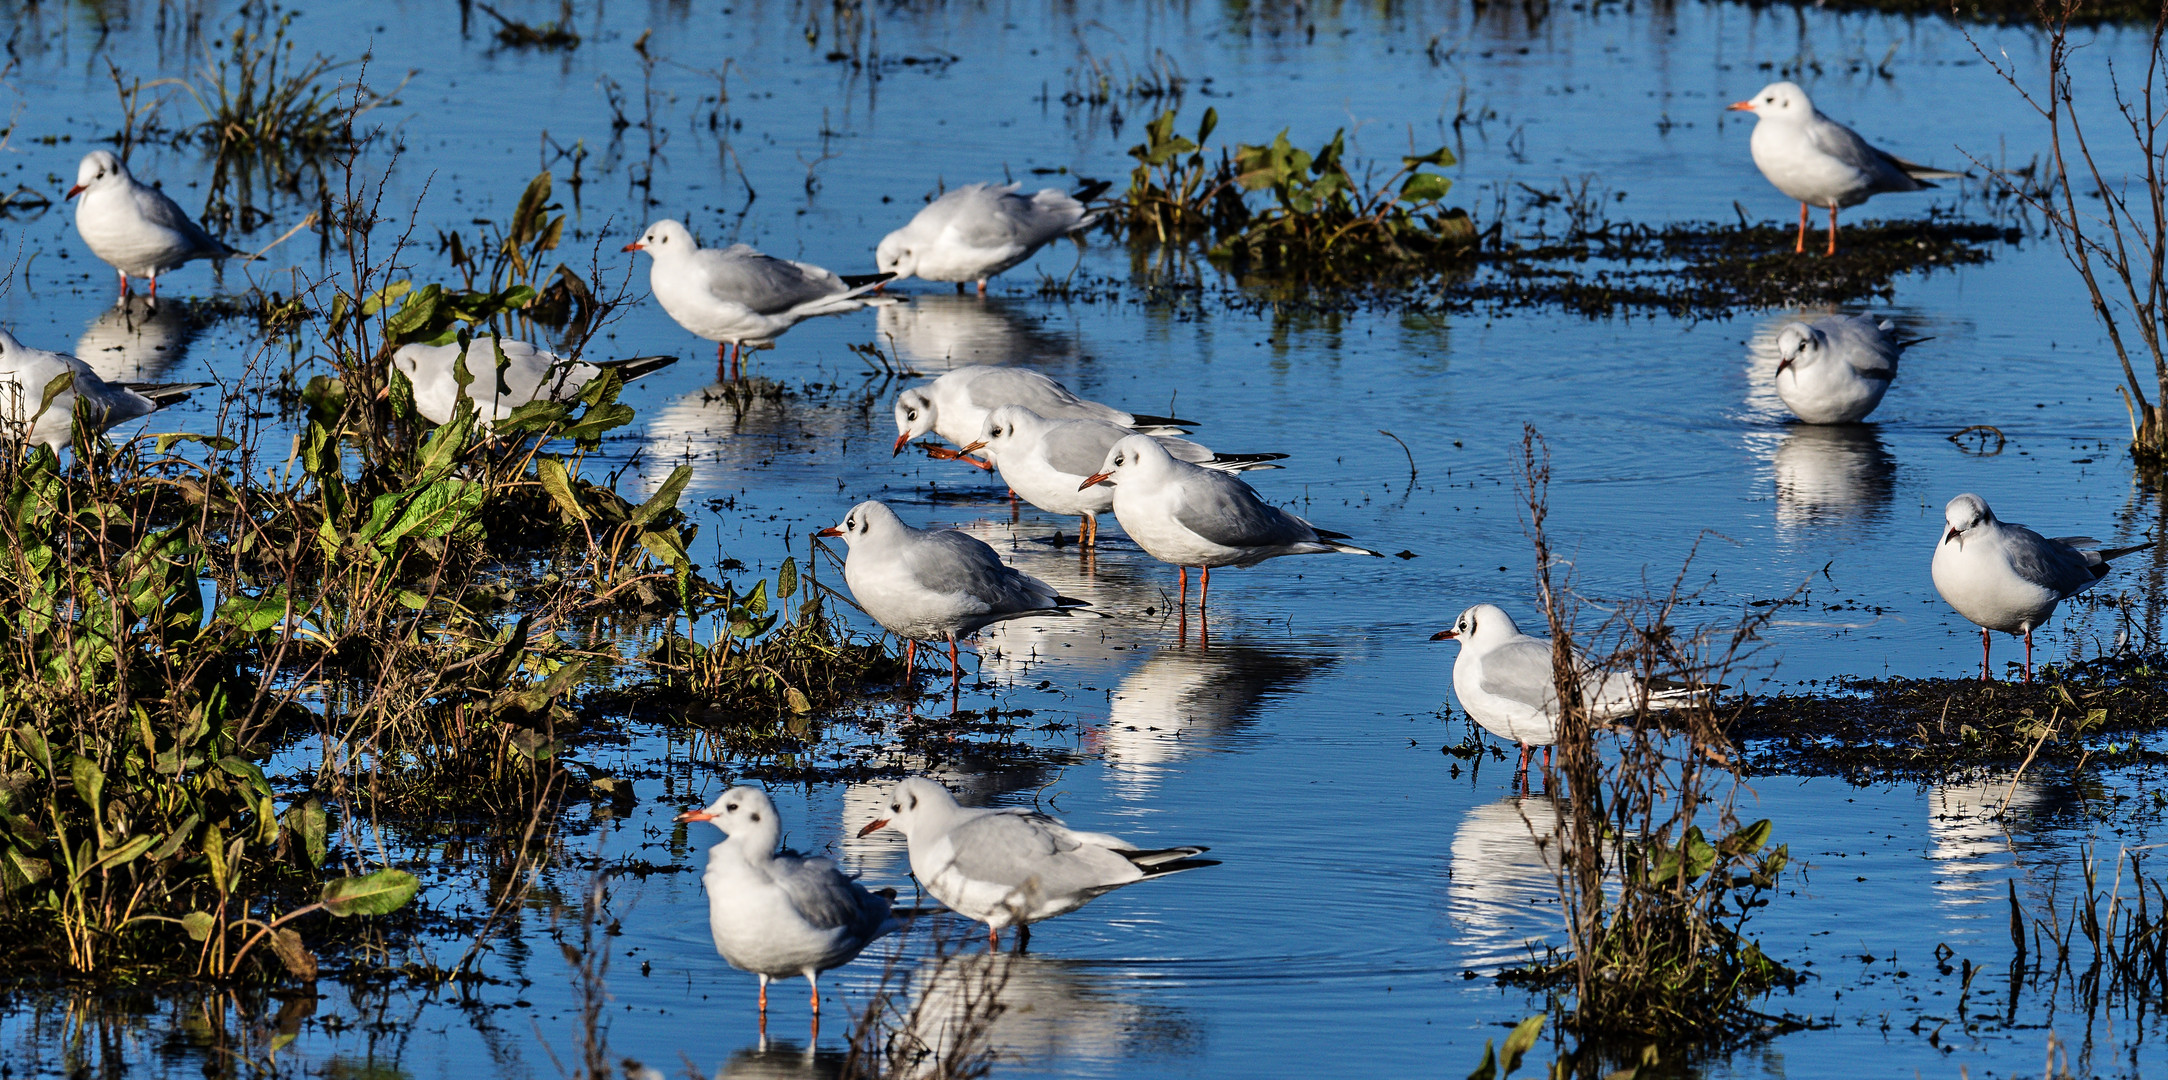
(740, 298)
(779, 914)
(1999, 575)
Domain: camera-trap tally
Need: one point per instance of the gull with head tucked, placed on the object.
(27, 375)
(2004, 576)
(979, 230)
(955, 407)
(1835, 370)
(1819, 161)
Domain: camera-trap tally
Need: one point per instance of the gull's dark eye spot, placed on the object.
(914, 802)
(731, 809)
(895, 808)
(756, 815)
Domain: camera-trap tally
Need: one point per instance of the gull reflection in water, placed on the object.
(1504, 889)
(1832, 472)
(724, 440)
(1085, 644)
(1046, 1014)
(936, 332)
(1975, 840)
(782, 1061)
(1181, 700)
(137, 340)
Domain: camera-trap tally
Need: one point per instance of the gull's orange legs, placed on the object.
(956, 670)
(1984, 676)
(1832, 230)
(1799, 247)
(763, 999)
(2028, 654)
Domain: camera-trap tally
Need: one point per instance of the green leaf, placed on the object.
(1749, 838)
(61, 384)
(443, 508)
(1441, 157)
(1488, 1069)
(244, 769)
(1517, 1044)
(440, 451)
(1425, 187)
(421, 317)
(665, 498)
(786, 579)
(311, 828)
(378, 893)
(34, 744)
(533, 745)
(124, 853)
(89, 787)
(167, 442)
(558, 483)
(757, 600)
(1208, 125)
(199, 924)
(668, 548)
(531, 204)
(254, 614)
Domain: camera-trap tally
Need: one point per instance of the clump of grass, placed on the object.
(557, 34)
(1877, 730)
(1324, 218)
(1658, 875)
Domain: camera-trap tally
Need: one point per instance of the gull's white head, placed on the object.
(898, 252)
(1781, 101)
(665, 239)
(743, 813)
(1006, 427)
(867, 520)
(1134, 456)
(1798, 345)
(1482, 625)
(99, 168)
(914, 416)
(912, 802)
(1964, 514)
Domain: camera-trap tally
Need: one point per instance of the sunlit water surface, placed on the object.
(1369, 888)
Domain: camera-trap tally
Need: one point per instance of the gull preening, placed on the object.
(1189, 515)
(1044, 461)
(2004, 576)
(955, 407)
(1504, 681)
(979, 230)
(1014, 867)
(736, 296)
(934, 584)
(1835, 370)
(778, 913)
(528, 374)
(27, 375)
(133, 226)
(1819, 161)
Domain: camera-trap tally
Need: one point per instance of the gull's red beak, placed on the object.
(1740, 106)
(902, 441)
(830, 531)
(73, 192)
(873, 826)
(694, 815)
(1783, 363)
(1093, 479)
(1444, 635)
(634, 246)
(971, 448)
(1953, 534)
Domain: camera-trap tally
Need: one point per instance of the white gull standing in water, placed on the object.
(979, 230)
(133, 226)
(736, 296)
(2006, 577)
(1819, 161)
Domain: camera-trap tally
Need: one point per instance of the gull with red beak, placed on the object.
(955, 407)
(133, 226)
(1189, 515)
(778, 913)
(1821, 162)
(1014, 867)
(738, 297)
(935, 584)
(1505, 683)
(1835, 370)
(2006, 577)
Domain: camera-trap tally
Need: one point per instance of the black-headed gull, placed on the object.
(1014, 867)
(1044, 460)
(529, 374)
(977, 231)
(133, 226)
(778, 913)
(1504, 681)
(934, 584)
(1189, 515)
(736, 296)
(1819, 161)
(27, 375)
(2006, 577)
(954, 406)
(1835, 370)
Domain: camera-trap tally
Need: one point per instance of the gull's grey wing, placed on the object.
(2051, 564)
(825, 897)
(1004, 219)
(764, 283)
(1079, 447)
(161, 210)
(1844, 144)
(1001, 385)
(947, 561)
(1521, 671)
(1863, 344)
(1008, 848)
(1228, 512)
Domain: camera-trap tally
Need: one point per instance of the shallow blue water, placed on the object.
(1363, 876)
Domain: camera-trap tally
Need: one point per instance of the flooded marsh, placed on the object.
(518, 648)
